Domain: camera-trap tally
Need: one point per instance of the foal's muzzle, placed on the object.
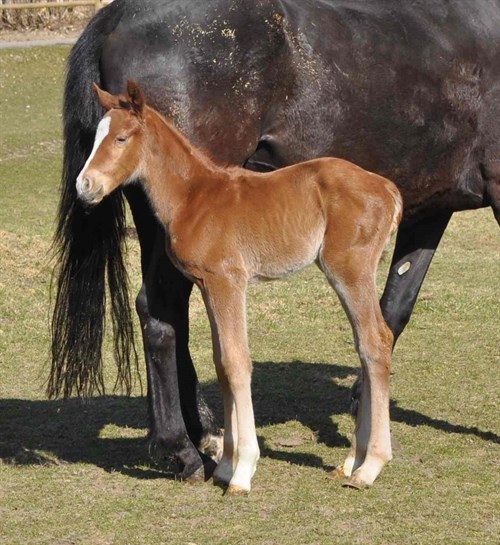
(89, 192)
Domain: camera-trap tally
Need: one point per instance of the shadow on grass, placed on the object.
(58, 432)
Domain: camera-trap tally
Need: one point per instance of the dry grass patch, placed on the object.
(54, 18)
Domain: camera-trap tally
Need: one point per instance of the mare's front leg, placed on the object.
(225, 302)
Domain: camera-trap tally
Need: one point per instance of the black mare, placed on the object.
(410, 90)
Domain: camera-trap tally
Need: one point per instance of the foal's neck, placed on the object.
(173, 166)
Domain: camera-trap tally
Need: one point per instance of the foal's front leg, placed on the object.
(225, 302)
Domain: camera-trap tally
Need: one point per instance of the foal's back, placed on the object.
(268, 225)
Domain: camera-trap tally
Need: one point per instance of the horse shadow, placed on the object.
(44, 432)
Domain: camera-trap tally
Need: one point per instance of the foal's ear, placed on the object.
(135, 97)
(106, 100)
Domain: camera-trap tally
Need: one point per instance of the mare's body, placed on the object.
(410, 90)
(226, 227)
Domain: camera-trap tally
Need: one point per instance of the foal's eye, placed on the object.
(121, 139)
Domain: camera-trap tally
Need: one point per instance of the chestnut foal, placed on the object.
(226, 227)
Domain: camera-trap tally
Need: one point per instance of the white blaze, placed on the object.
(100, 135)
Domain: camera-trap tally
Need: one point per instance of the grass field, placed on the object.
(78, 472)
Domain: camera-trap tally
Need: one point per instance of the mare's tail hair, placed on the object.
(89, 246)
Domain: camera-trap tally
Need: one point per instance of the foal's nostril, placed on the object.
(89, 192)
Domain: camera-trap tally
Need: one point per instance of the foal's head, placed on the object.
(117, 153)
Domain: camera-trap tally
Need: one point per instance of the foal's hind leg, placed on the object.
(353, 278)
(415, 248)
(225, 301)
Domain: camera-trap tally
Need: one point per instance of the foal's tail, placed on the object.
(393, 216)
(397, 215)
(88, 246)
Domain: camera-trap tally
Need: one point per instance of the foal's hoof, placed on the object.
(337, 474)
(211, 445)
(234, 490)
(353, 482)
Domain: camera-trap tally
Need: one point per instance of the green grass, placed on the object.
(78, 472)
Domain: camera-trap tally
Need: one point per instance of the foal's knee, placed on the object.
(237, 371)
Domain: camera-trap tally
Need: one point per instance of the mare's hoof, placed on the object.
(234, 490)
(193, 477)
(199, 473)
(221, 483)
(209, 465)
(353, 482)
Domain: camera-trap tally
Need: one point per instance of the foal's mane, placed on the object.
(202, 154)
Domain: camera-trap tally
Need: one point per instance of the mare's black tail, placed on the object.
(89, 246)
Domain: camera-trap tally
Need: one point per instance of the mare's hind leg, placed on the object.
(225, 302)
(352, 276)
(180, 420)
(168, 434)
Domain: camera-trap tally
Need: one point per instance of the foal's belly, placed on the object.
(275, 271)
(283, 253)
